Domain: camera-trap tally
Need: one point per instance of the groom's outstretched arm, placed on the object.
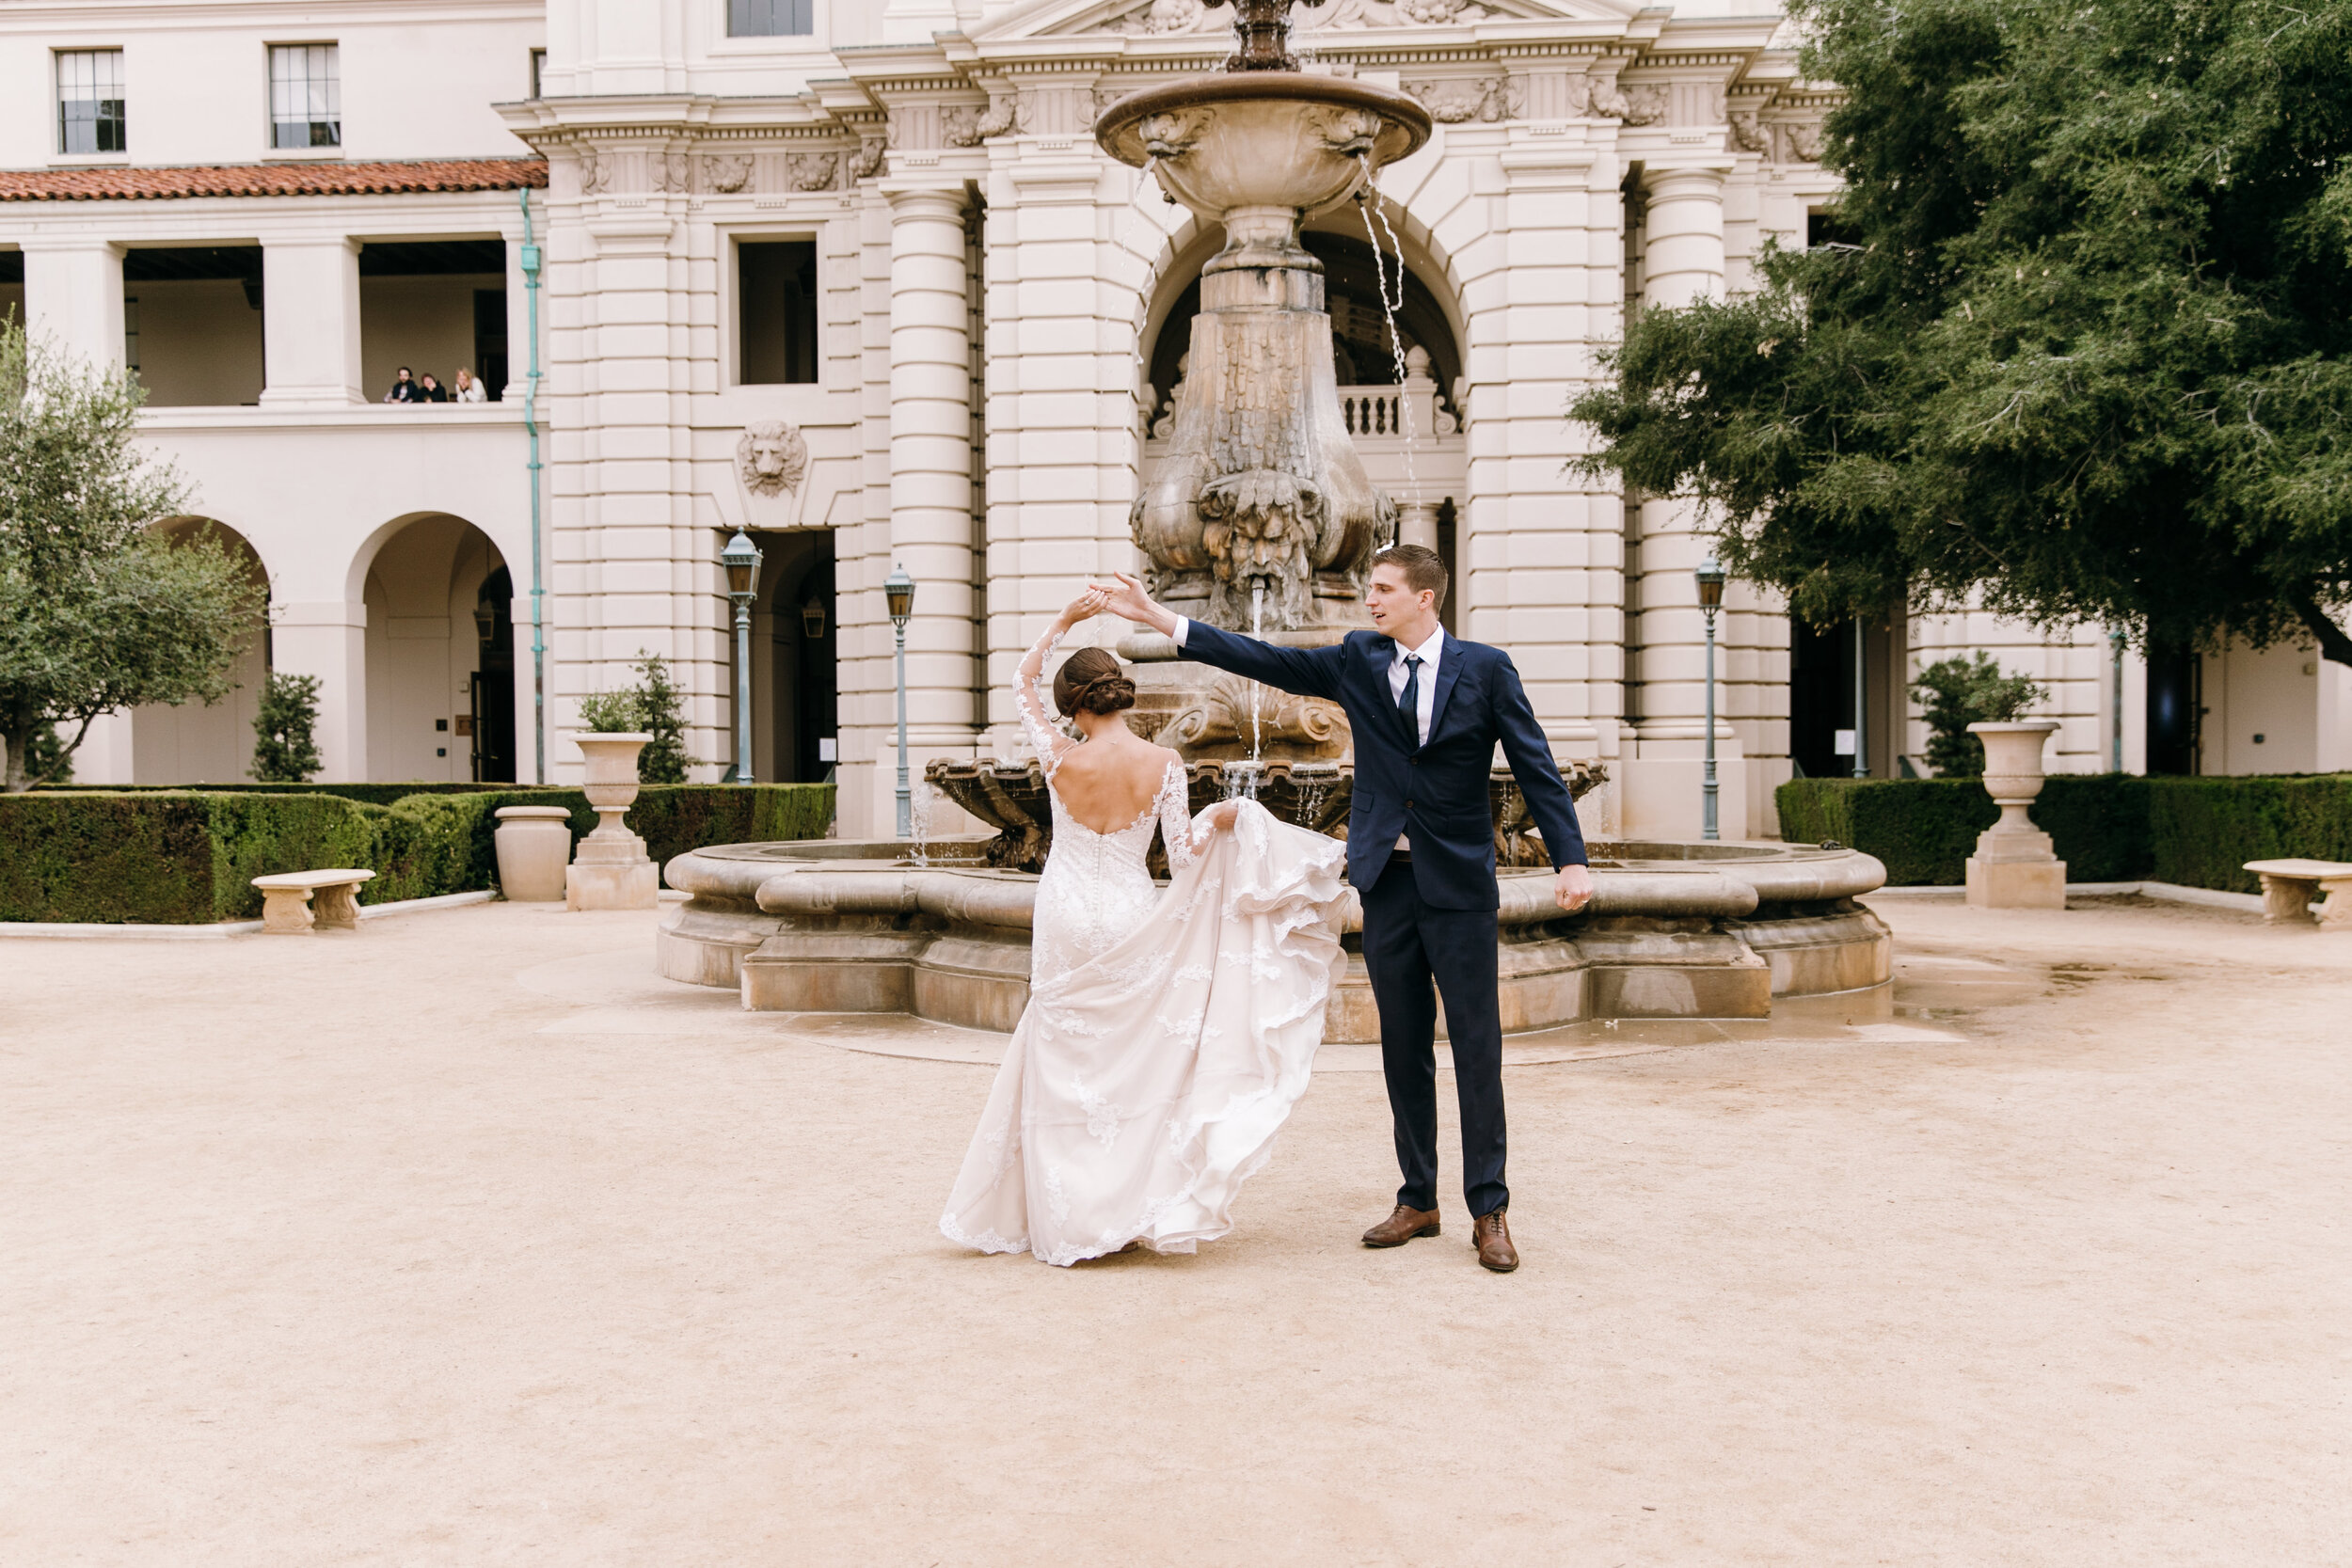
(1308, 672)
(1530, 755)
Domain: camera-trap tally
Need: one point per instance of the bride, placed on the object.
(1167, 1033)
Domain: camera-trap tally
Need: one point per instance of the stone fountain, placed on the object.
(1262, 519)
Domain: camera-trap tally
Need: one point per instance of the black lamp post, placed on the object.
(899, 588)
(1711, 578)
(742, 559)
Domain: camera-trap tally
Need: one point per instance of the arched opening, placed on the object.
(795, 663)
(437, 686)
(195, 743)
(1362, 351)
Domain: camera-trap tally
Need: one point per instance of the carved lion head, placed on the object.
(772, 457)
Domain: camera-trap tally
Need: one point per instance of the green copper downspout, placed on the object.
(531, 426)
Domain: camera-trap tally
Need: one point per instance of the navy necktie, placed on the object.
(1408, 706)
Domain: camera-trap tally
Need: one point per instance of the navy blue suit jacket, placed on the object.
(1435, 793)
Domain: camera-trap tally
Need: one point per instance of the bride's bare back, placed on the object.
(1112, 779)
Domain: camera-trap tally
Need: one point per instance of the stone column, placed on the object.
(329, 639)
(931, 465)
(310, 321)
(73, 294)
(1682, 261)
(1536, 560)
(1067, 249)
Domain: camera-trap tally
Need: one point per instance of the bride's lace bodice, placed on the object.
(1097, 887)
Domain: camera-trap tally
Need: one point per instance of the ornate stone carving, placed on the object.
(1173, 134)
(1805, 139)
(595, 174)
(1644, 104)
(960, 125)
(1004, 113)
(1437, 13)
(1349, 132)
(1154, 18)
(770, 457)
(1747, 132)
(1486, 99)
(812, 172)
(727, 172)
(866, 161)
(1229, 714)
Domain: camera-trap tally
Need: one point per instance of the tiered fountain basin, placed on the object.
(1674, 930)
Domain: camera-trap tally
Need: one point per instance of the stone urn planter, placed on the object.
(534, 850)
(2014, 866)
(611, 870)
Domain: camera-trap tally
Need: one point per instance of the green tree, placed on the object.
(285, 730)
(96, 611)
(661, 713)
(2081, 350)
(1954, 693)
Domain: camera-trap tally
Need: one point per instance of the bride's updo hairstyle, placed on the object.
(1092, 681)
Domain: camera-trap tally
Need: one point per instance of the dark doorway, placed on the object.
(2175, 699)
(776, 310)
(489, 341)
(493, 717)
(796, 727)
(1821, 699)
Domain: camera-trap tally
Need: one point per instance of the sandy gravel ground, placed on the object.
(463, 1241)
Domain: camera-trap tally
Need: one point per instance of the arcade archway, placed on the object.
(440, 675)
(195, 743)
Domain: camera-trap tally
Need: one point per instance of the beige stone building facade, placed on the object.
(852, 276)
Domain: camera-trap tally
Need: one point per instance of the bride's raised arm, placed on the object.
(1029, 698)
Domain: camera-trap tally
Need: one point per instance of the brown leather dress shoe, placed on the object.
(1402, 1226)
(1492, 1234)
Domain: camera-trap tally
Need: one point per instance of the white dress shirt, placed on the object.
(1399, 672)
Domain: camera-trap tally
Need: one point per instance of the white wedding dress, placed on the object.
(1168, 1034)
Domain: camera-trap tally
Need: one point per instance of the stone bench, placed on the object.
(2291, 887)
(287, 907)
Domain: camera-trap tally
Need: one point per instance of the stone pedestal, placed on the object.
(2014, 866)
(611, 870)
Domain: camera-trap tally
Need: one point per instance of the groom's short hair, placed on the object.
(1424, 568)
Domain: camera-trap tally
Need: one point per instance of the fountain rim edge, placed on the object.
(1403, 110)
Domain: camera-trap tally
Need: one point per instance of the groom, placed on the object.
(1426, 711)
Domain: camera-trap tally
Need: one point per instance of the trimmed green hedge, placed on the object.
(179, 857)
(2107, 828)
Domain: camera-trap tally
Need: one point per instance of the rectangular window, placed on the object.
(768, 18)
(305, 96)
(538, 69)
(89, 102)
(776, 310)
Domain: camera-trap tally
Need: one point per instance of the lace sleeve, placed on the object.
(1028, 697)
(1176, 826)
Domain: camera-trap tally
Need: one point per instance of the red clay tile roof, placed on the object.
(321, 179)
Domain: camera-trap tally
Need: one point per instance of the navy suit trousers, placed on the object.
(1407, 945)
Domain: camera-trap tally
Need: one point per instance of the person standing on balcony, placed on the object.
(404, 390)
(430, 390)
(467, 389)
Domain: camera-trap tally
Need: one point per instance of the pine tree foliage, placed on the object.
(285, 730)
(1954, 693)
(661, 713)
(98, 613)
(2085, 348)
